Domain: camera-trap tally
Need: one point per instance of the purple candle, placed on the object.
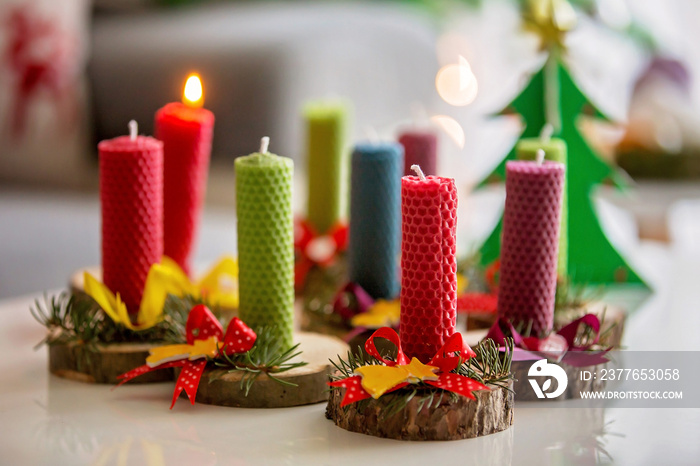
(420, 148)
(530, 243)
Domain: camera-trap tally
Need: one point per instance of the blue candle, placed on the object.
(375, 218)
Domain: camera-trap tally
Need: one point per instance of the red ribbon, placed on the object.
(315, 249)
(201, 325)
(446, 359)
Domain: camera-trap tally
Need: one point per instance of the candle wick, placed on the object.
(264, 144)
(540, 156)
(372, 134)
(546, 132)
(419, 172)
(133, 130)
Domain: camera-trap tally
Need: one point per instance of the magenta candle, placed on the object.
(528, 276)
(428, 264)
(420, 148)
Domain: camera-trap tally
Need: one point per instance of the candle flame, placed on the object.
(193, 95)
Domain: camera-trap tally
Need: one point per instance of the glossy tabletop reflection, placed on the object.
(48, 420)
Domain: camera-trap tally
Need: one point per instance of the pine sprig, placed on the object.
(77, 318)
(267, 356)
(490, 366)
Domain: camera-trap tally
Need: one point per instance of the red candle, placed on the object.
(428, 264)
(420, 148)
(186, 131)
(528, 276)
(131, 197)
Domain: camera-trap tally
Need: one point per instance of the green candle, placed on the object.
(266, 241)
(327, 168)
(554, 150)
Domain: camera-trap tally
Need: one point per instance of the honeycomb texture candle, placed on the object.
(420, 148)
(528, 276)
(327, 164)
(131, 198)
(555, 151)
(186, 133)
(265, 242)
(428, 264)
(375, 218)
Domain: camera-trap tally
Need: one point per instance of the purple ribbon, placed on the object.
(528, 349)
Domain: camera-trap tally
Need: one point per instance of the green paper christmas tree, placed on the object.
(592, 258)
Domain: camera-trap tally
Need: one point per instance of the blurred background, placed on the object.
(74, 72)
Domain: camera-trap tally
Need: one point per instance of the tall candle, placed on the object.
(528, 276)
(327, 164)
(186, 131)
(131, 199)
(428, 264)
(375, 219)
(420, 148)
(266, 242)
(555, 151)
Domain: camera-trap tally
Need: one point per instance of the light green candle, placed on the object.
(554, 150)
(327, 160)
(266, 241)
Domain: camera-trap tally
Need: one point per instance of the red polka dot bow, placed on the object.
(373, 380)
(204, 341)
(314, 249)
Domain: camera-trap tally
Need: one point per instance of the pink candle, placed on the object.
(420, 148)
(131, 198)
(186, 131)
(528, 277)
(428, 264)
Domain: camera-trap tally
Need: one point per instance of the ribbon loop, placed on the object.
(390, 335)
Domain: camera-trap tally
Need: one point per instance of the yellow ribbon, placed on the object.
(382, 313)
(219, 287)
(199, 349)
(378, 379)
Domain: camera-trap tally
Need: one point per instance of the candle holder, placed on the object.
(459, 394)
(85, 344)
(242, 367)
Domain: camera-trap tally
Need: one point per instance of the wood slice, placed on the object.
(223, 388)
(491, 412)
(77, 362)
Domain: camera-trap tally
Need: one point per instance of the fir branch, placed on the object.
(267, 356)
(77, 318)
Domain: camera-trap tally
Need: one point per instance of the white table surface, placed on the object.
(48, 420)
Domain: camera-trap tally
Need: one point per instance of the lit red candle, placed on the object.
(428, 264)
(420, 148)
(186, 130)
(131, 198)
(531, 223)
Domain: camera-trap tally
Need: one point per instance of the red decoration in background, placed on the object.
(445, 359)
(131, 198)
(40, 57)
(313, 249)
(201, 325)
(186, 133)
(428, 264)
(528, 275)
(480, 302)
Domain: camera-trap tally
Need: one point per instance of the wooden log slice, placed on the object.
(223, 388)
(451, 419)
(104, 363)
